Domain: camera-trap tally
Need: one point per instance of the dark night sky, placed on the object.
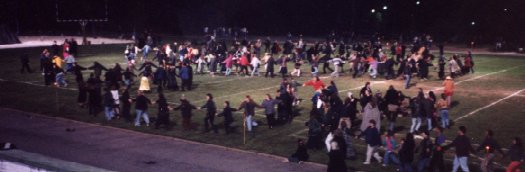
(446, 19)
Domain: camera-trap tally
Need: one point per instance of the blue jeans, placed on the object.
(416, 123)
(143, 114)
(60, 79)
(388, 156)
(460, 161)
(109, 112)
(422, 164)
(407, 81)
(405, 167)
(444, 118)
(249, 122)
(228, 71)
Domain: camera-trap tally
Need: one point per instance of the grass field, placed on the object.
(496, 77)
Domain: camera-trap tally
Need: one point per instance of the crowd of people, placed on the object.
(334, 122)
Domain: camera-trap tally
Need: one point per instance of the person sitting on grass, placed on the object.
(301, 154)
(227, 112)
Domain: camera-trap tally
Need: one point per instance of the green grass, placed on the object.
(504, 118)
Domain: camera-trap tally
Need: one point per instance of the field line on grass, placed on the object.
(481, 76)
(489, 105)
(40, 85)
(227, 80)
(359, 87)
(242, 92)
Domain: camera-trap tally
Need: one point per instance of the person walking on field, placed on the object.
(490, 146)
(449, 89)
(463, 149)
(141, 107)
(211, 110)
(517, 155)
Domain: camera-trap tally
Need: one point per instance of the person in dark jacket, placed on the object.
(425, 152)
(227, 113)
(141, 107)
(406, 153)
(184, 75)
(77, 71)
(109, 104)
(185, 107)
(463, 149)
(392, 101)
(336, 154)
(437, 162)
(269, 109)
(315, 131)
(516, 154)
(350, 110)
(82, 94)
(373, 141)
(95, 94)
(211, 110)
(163, 116)
(269, 67)
(126, 105)
(490, 146)
(301, 154)
(24, 61)
(249, 111)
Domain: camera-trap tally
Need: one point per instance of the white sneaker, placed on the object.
(366, 163)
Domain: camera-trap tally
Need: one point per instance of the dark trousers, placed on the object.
(25, 66)
(186, 84)
(208, 122)
(269, 72)
(326, 65)
(270, 118)
(163, 119)
(186, 123)
(227, 126)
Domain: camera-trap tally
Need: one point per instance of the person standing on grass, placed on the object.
(70, 60)
(463, 149)
(141, 108)
(407, 72)
(428, 111)
(336, 155)
(316, 83)
(453, 66)
(256, 63)
(373, 141)
(371, 112)
(365, 94)
(228, 63)
(516, 154)
(95, 94)
(109, 104)
(82, 94)
(442, 106)
(227, 112)
(417, 112)
(126, 105)
(448, 90)
(116, 100)
(163, 116)
(336, 62)
(390, 145)
(425, 152)
(184, 74)
(249, 111)
(24, 61)
(392, 101)
(269, 109)
(437, 162)
(406, 153)
(186, 111)
(211, 111)
(490, 146)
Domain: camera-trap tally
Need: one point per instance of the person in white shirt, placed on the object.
(255, 64)
(336, 62)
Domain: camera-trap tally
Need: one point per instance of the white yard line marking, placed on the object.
(242, 92)
(359, 87)
(40, 85)
(481, 76)
(227, 80)
(489, 105)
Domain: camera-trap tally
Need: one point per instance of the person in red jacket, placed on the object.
(316, 83)
(244, 63)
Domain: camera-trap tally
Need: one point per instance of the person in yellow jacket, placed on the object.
(58, 62)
